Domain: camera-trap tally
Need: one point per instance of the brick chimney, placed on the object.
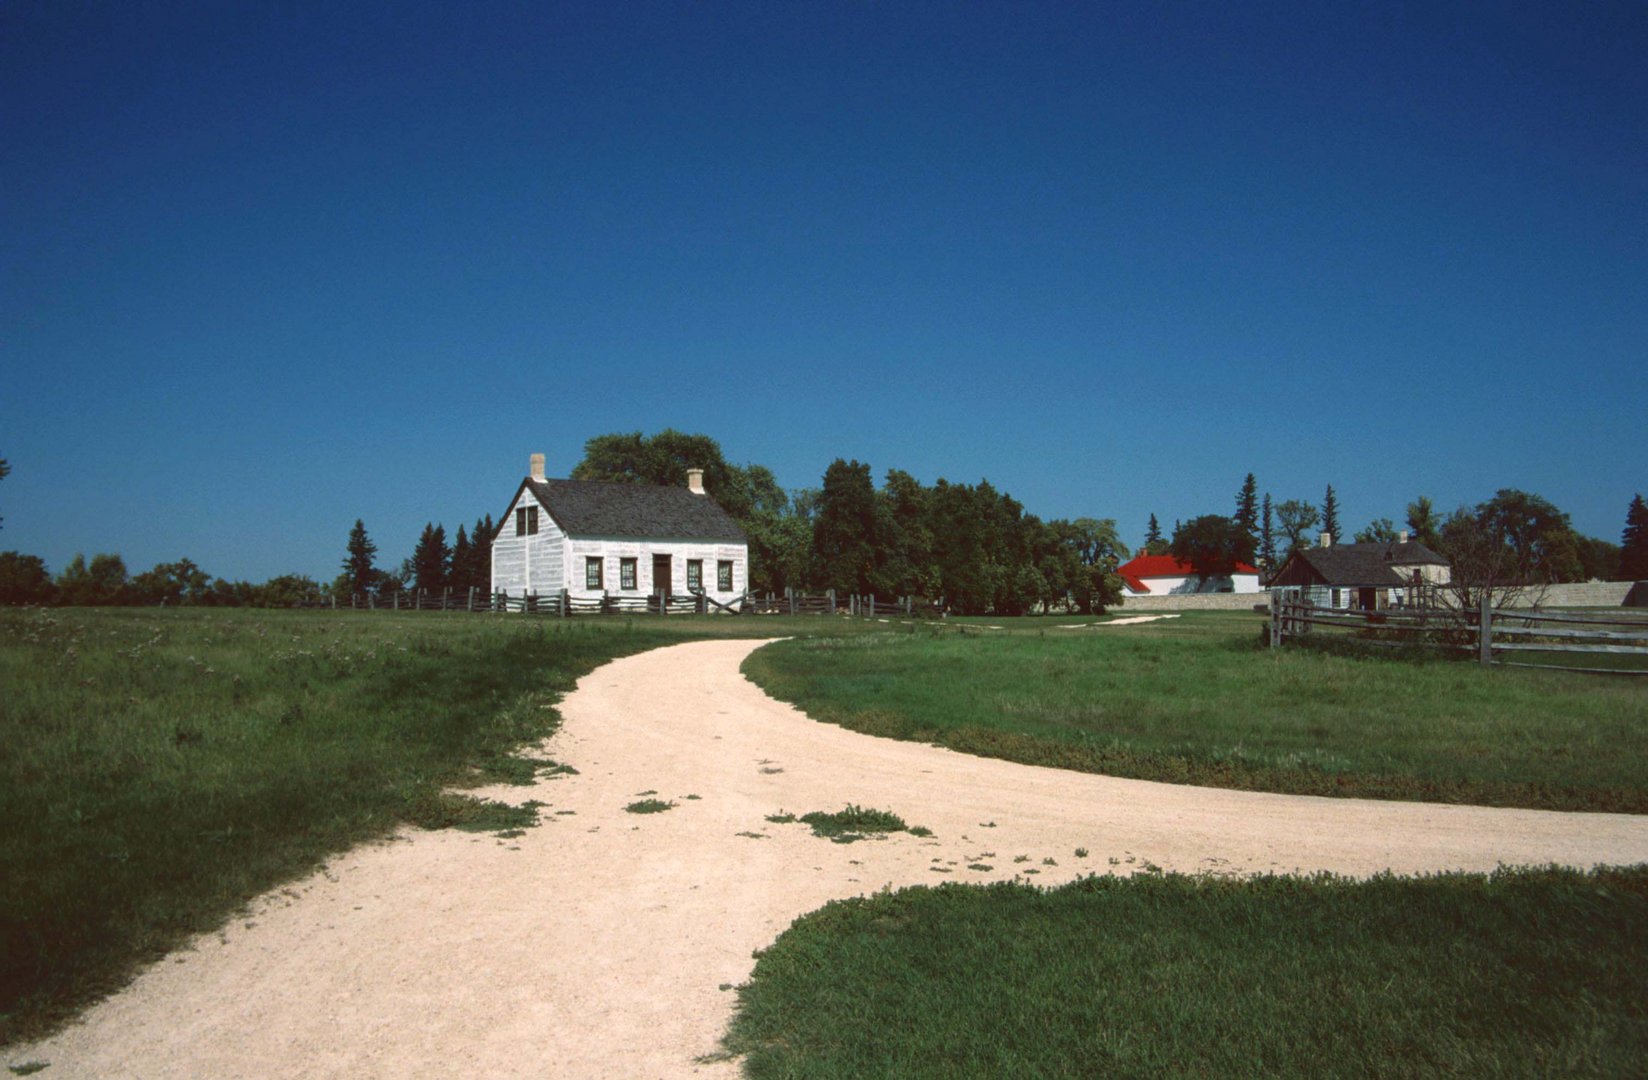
(695, 481)
(537, 464)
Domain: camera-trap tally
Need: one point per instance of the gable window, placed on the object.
(593, 578)
(723, 575)
(526, 520)
(626, 573)
(695, 575)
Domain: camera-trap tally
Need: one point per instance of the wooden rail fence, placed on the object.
(1503, 636)
(563, 604)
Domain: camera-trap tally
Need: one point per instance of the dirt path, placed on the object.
(595, 944)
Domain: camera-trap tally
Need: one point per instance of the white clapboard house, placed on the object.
(595, 539)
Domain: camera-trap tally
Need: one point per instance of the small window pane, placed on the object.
(723, 575)
(520, 521)
(626, 573)
(695, 574)
(531, 521)
(592, 573)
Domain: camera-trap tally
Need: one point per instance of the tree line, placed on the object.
(1514, 537)
(972, 545)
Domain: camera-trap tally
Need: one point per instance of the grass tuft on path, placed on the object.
(1519, 973)
(1197, 700)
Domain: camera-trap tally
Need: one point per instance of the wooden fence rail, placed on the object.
(563, 604)
(1502, 636)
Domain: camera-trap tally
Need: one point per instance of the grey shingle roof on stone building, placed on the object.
(599, 508)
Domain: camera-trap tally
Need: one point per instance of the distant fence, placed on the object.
(564, 605)
(1590, 642)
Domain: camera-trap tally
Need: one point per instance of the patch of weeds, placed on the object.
(691, 798)
(987, 824)
(846, 826)
(940, 869)
(510, 834)
(641, 794)
(770, 770)
(780, 819)
(920, 830)
(1049, 861)
(565, 812)
(27, 1068)
(754, 835)
(649, 806)
(448, 810)
(556, 768)
(979, 866)
(1021, 858)
(1081, 853)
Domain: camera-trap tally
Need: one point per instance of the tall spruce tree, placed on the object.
(360, 575)
(1267, 535)
(431, 559)
(1247, 507)
(1153, 532)
(462, 575)
(1330, 515)
(1633, 546)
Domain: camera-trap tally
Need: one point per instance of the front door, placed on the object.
(661, 575)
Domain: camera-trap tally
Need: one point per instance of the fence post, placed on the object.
(1275, 618)
(831, 594)
(1484, 629)
(872, 605)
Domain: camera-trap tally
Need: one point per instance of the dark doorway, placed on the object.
(1368, 599)
(661, 575)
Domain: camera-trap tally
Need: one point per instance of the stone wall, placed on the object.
(1196, 602)
(1578, 594)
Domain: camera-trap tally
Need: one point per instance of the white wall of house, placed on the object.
(613, 550)
(529, 564)
(549, 561)
(1181, 586)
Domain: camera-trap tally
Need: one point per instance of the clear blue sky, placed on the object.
(264, 272)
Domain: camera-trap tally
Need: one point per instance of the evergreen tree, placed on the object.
(1633, 549)
(1247, 507)
(5, 471)
(360, 575)
(431, 559)
(1423, 524)
(463, 571)
(848, 533)
(1267, 535)
(1154, 532)
(1330, 515)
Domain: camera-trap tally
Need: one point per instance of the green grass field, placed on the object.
(162, 767)
(1519, 974)
(1199, 700)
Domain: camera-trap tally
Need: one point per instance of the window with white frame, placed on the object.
(723, 575)
(626, 573)
(593, 577)
(695, 575)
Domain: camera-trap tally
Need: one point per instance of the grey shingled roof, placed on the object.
(1368, 564)
(598, 508)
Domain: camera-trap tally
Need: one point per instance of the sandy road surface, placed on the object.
(594, 945)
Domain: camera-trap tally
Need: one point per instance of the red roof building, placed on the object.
(1160, 575)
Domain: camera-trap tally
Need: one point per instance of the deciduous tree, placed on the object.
(1297, 519)
(1212, 545)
